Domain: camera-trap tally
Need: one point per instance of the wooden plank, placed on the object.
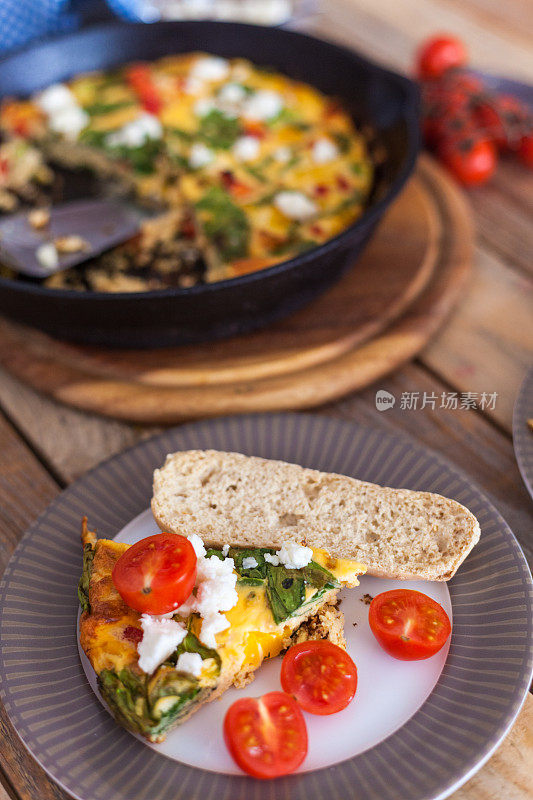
(507, 775)
(465, 437)
(389, 31)
(69, 441)
(487, 344)
(26, 489)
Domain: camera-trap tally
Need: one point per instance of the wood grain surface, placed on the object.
(416, 264)
(487, 341)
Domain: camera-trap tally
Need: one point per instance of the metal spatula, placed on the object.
(74, 233)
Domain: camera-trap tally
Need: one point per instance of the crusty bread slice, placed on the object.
(247, 501)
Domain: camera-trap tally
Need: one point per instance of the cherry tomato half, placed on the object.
(157, 574)
(409, 625)
(320, 675)
(439, 54)
(266, 736)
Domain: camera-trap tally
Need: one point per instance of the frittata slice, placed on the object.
(263, 622)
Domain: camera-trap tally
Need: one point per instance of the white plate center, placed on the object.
(389, 691)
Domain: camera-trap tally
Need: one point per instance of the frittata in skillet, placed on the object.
(251, 166)
(150, 690)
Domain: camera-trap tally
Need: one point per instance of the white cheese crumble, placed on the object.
(160, 638)
(65, 116)
(204, 106)
(198, 545)
(47, 255)
(232, 93)
(282, 154)
(200, 155)
(295, 205)
(193, 86)
(264, 104)
(246, 148)
(294, 556)
(272, 559)
(210, 68)
(137, 132)
(249, 563)
(191, 663)
(324, 150)
(214, 592)
(225, 550)
(55, 98)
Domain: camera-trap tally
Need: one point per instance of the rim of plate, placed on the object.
(522, 435)
(65, 728)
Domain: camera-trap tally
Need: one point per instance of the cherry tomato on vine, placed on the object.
(471, 160)
(266, 736)
(440, 54)
(409, 625)
(156, 574)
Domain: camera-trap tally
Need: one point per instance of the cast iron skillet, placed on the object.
(387, 102)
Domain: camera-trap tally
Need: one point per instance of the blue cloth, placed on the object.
(24, 20)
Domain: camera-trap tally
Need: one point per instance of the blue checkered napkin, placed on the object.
(23, 20)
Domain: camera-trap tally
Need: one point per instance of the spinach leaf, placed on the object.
(92, 138)
(218, 130)
(85, 580)
(191, 644)
(185, 136)
(238, 554)
(250, 581)
(285, 591)
(141, 158)
(226, 224)
(105, 108)
(318, 576)
(212, 551)
(343, 141)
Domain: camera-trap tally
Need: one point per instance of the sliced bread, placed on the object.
(247, 501)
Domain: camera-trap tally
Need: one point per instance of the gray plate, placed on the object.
(522, 434)
(59, 719)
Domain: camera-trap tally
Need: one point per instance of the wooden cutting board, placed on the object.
(377, 317)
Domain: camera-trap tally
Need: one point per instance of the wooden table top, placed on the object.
(486, 346)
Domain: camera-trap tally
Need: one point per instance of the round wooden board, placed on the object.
(377, 317)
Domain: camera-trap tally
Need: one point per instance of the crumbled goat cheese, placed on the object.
(249, 563)
(69, 121)
(64, 113)
(214, 592)
(274, 560)
(295, 205)
(204, 106)
(210, 68)
(47, 255)
(193, 86)
(282, 154)
(191, 663)
(294, 556)
(137, 132)
(225, 550)
(197, 544)
(200, 155)
(323, 151)
(211, 625)
(262, 105)
(246, 148)
(232, 93)
(160, 639)
(55, 98)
